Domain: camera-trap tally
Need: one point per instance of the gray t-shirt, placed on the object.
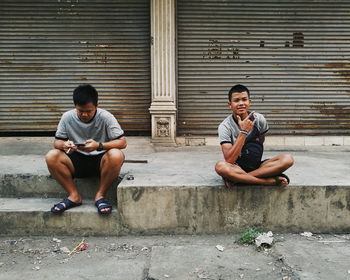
(104, 127)
(229, 129)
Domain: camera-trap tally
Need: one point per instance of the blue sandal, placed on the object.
(63, 207)
(102, 203)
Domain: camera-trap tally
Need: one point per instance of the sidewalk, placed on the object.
(176, 192)
(187, 165)
(292, 257)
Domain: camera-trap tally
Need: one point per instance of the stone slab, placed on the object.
(317, 257)
(26, 259)
(207, 262)
(110, 268)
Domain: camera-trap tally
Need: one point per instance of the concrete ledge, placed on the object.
(194, 210)
(188, 210)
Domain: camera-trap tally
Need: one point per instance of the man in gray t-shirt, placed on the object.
(241, 138)
(88, 142)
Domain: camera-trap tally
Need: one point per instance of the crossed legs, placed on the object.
(264, 175)
(61, 168)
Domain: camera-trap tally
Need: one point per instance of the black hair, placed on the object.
(85, 94)
(238, 88)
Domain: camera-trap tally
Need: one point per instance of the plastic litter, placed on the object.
(64, 250)
(265, 239)
(220, 248)
(306, 234)
(130, 177)
(80, 247)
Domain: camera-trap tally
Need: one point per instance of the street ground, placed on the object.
(292, 256)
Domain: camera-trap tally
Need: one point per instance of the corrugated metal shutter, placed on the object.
(292, 55)
(47, 48)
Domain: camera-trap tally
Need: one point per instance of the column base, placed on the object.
(163, 124)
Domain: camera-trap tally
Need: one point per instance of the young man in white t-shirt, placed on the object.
(88, 142)
(241, 137)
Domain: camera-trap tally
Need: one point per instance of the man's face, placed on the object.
(239, 103)
(86, 112)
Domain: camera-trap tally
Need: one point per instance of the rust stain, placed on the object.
(100, 57)
(298, 40)
(296, 125)
(332, 109)
(121, 116)
(33, 69)
(342, 70)
(341, 124)
(50, 107)
(221, 49)
(337, 65)
(324, 103)
(53, 108)
(36, 67)
(18, 109)
(344, 74)
(214, 49)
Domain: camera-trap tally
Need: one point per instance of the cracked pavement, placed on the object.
(292, 256)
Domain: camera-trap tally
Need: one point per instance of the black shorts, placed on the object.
(250, 167)
(86, 166)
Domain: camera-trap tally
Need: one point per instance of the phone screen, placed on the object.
(79, 144)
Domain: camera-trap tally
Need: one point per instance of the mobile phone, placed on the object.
(79, 144)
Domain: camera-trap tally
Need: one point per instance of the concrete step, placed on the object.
(44, 186)
(32, 216)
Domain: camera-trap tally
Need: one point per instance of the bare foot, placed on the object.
(228, 183)
(281, 181)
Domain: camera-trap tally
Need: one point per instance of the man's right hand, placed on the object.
(69, 147)
(246, 124)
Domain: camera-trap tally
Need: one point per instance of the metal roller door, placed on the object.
(294, 56)
(49, 47)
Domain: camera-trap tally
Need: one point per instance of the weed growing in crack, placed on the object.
(248, 236)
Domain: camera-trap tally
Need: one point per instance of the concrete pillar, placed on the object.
(163, 106)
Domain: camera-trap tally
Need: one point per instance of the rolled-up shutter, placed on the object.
(292, 55)
(47, 48)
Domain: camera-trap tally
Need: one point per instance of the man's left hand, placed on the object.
(90, 145)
